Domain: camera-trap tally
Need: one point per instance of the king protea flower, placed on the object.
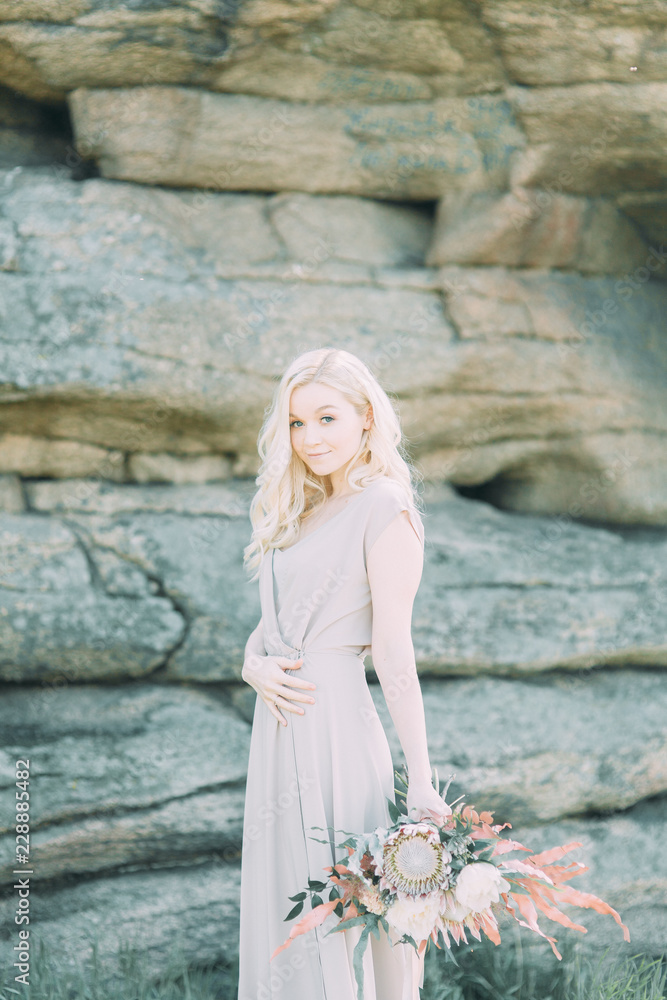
(422, 881)
(414, 861)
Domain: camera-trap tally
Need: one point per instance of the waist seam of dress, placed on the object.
(303, 828)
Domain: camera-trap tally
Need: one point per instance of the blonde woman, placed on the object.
(338, 544)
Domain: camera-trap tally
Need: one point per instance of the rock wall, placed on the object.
(123, 616)
(471, 197)
(130, 308)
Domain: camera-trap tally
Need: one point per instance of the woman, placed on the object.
(339, 545)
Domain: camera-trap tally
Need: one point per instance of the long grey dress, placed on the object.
(330, 766)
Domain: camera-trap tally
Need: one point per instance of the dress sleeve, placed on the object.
(387, 503)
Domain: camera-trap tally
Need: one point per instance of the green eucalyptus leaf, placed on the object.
(357, 961)
(295, 912)
(394, 811)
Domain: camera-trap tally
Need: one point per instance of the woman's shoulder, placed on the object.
(387, 498)
(386, 484)
(385, 488)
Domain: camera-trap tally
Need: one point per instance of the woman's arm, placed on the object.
(255, 644)
(394, 565)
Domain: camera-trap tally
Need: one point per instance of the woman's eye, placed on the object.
(294, 422)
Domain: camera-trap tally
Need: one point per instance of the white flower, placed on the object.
(452, 909)
(415, 916)
(478, 885)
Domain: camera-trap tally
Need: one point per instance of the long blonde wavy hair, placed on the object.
(287, 487)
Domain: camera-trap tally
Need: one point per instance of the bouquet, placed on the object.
(422, 881)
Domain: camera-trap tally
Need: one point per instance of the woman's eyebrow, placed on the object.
(327, 406)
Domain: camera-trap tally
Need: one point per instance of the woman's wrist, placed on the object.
(420, 779)
(251, 662)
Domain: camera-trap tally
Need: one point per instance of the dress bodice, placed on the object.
(315, 594)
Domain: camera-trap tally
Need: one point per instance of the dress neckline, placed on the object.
(329, 520)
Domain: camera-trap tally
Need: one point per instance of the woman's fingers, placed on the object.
(286, 664)
(289, 692)
(294, 687)
(285, 705)
(278, 691)
(288, 704)
(274, 711)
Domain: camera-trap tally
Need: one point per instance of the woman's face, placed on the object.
(325, 430)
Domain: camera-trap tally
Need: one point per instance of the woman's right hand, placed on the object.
(266, 674)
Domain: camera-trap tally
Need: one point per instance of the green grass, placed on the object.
(480, 971)
(50, 980)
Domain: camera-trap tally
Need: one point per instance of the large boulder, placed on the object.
(517, 596)
(128, 776)
(522, 229)
(56, 621)
(138, 808)
(543, 389)
(592, 138)
(87, 596)
(161, 566)
(535, 348)
(399, 150)
(568, 42)
(535, 750)
(170, 917)
(326, 50)
(331, 51)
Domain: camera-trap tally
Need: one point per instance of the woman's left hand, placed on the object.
(427, 804)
